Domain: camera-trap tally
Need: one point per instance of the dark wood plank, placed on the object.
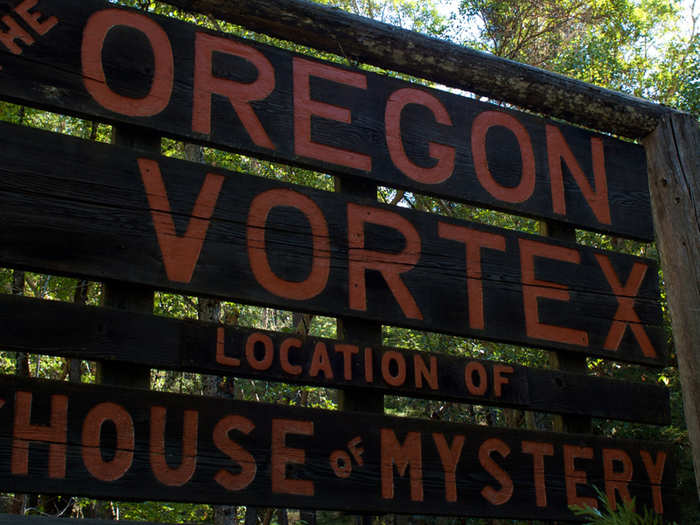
(64, 329)
(80, 208)
(15, 519)
(389, 47)
(319, 115)
(121, 443)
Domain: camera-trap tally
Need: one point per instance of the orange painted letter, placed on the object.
(502, 495)
(32, 18)
(180, 254)
(123, 457)
(474, 241)
(244, 459)
(449, 457)
(14, 32)
(259, 211)
(573, 477)
(625, 315)
(96, 29)
(239, 94)
(403, 456)
(534, 288)
(557, 151)
(482, 123)
(538, 451)
(55, 433)
(617, 481)
(445, 155)
(305, 108)
(422, 372)
(655, 470)
(283, 456)
(390, 265)
(173, 477)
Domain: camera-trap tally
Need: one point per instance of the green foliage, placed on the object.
(617, 514)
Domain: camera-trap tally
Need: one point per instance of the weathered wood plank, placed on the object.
(390, 47)
(117, 443)
(674, 171)
(112, 336)
(16, 519)
(181, 226)
(192, 84)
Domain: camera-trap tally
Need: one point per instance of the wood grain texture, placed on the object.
(15, 519)
(265, 242)
(267, 102)
(674, 170)
(128, 338)
(116, 443)
(365, 40)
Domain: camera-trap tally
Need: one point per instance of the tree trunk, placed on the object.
(674, 182)
(361, 39)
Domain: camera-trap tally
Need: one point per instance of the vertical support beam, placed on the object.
(561, 360)
(126, 296)
(674, 183)
(351, 330)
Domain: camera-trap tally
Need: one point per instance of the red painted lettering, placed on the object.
(260, 209)
(348, 351)
(557, 151)
(239, 94)
(221, 356)
(655, 471)
(503, 494)
(617, 481)
(534, 288)
(14, 32)
(445, 155)
(173, 477)
(499, 379)
(475, 389)
(305, 108)
(449, 457)
(285, 347)
(32, 19)
(180, 254)
(268, 349)
(390, 265)
(369, 365)
(320, 362)
(94, 35)
(55, 433)
(283, 456)
(574, 477)
(239, 455)
(403, 456)
(474, 241)
(92, 436)
(422, 372)
(482, 123)
(399, 378)
(625, 315)
(538, 452)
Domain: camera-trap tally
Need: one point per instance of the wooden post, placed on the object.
(567, 361)
(351, 330)
(674, 182)
(125, 296)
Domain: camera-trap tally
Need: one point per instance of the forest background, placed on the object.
(648, 48)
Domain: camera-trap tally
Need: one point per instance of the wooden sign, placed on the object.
(74, 207)
(101, 334)
(92, 59)
(60, 438)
